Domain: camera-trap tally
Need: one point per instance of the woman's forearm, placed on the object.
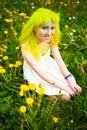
(60, 61)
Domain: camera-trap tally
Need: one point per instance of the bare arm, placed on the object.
(60, 61)
(73, 85)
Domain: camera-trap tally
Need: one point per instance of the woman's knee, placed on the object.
(63, 97)
(66, 97)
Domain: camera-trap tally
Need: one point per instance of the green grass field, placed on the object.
(40, 113)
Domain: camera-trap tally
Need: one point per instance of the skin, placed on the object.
(44, 34)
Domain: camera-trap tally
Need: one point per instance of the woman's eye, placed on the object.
(52, 28)
(44, 27)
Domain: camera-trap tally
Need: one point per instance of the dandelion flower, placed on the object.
(66, 26)
(12, 27)
(17, 48)
(2, 70)
(22, 14)
(32, 86)
(65, 44)
(41, 91)
(5, 57)
(5, 32)
(5, 47)
(86, 36)
(21, 93)
(71, 121)
(29, 101)
(48, 2)
(1, 67)
(9, 20)
(1, 55)
(61, 2)
(11, 65)
(0, 17)
(24, 87)
(55, 119)
(23, 109)
(65, 5)
(32, 3)
(18, 63)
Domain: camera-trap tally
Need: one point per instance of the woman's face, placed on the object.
(45, 32)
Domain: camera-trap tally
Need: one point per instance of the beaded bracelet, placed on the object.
(68, 76)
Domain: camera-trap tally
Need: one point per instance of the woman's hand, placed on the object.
(74, 86)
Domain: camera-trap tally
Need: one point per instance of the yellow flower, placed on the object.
(71, 121)
(23, 109)
(65, 5)
(4, 50)
(23, 23)
(64, 44)
(32, 86)
(5, 47)
(18, 63)
(32, 3)
(16, 66)
(41, 91)
(1, 55)
(29, 101)
(86, 36)
(55, 119)
(66, 26)
(17, 48)
(5, 57)
(0, 17)
(1, 67)
(5, 32)
(15, 12)
(2, 70)
(40, 85)
(9, 20)
(67, 65)
(15, 33)
(48, 2)
(12, 28)
(11, 65)
(24, 87)
(22, 14)
(21, 93)
(61, 2)
(27, 17)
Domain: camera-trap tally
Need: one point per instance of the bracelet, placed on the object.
(68, 76)
(53, 84)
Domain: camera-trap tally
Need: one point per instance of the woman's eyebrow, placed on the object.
(44, 25)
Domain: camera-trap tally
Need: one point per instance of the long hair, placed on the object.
(39, 17)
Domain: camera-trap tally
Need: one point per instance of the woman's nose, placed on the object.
(48, 31)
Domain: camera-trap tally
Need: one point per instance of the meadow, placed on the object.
(20, 107)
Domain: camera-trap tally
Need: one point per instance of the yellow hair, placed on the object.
(39, 17)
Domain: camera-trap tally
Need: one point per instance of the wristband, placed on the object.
(53, 84)
(68, 76)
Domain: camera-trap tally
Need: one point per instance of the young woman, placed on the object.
(40, 36)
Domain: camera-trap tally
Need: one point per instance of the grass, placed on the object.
(42, 114)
